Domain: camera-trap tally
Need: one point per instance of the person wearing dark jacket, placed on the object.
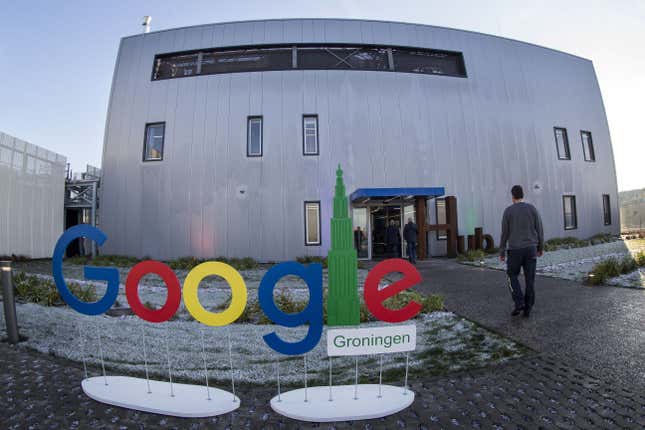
(522, 230)
(410, 233)
(393, 239)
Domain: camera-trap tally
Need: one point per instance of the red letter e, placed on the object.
(374, 297)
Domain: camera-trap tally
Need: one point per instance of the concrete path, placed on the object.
(600, 330)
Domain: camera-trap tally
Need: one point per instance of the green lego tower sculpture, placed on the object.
(343, 306)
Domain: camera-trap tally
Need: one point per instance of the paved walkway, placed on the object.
(600, 330)
(587, 371)
(43, 392)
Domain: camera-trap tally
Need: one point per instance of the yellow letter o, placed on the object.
(238, 293)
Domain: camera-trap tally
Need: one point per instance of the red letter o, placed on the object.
(172, 283)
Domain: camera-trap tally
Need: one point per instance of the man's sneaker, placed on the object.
(516, 311)
(527, 312)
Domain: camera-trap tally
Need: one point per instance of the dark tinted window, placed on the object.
(429, 62)
(562, 143)
(606, 209)
(570, 215)
(320, 57)
(309, 57)
(153, 142)
(247, 60)
(587, 146)
(175, 66)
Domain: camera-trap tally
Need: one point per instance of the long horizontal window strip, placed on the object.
(309, 57)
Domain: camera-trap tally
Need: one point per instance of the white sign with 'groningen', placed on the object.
(371, 340)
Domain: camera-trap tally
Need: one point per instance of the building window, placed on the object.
(440, 206)
(570, 216)
(254, 136)
(587, 146)
(606, 209)
(312, 223)
(310, 135)
(154, 139)
(562, 142)
(237, 59)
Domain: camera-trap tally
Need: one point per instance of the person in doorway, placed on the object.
(393, 239)
(358, 239)
(522, 229)
(410, 234)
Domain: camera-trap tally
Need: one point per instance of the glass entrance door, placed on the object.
(361, 229)
(409, 211)
(386, 231)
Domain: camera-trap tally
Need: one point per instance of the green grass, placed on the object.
(472, 255)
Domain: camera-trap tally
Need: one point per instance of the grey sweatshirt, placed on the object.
(521, 228)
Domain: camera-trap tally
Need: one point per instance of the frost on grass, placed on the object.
(576, 263)
(445, 343)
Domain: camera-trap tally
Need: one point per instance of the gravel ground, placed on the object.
(575, 263)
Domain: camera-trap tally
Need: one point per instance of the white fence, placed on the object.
(32, 191)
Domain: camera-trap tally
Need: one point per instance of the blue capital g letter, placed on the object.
(312, 314)
(93, 273)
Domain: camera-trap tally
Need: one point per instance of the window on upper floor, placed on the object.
(310, 135)
(562, 143)
(587, 146)
(254, 136)
(153, 141)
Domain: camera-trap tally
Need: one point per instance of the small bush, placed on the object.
(188, 263)
(308, 259)
(32, 289)
(104, 260)
(612, 267)
(287, 303)
(472, 255)
(493, 251)
(640, 258)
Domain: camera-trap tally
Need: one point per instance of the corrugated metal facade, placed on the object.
(32, 193)
(475, 136)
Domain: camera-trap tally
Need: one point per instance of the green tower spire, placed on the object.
(343, 306)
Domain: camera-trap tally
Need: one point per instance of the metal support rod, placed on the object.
(407, 361)
(93, 217)
(98, 332)
(145, 357)
(80, 336)
(230, 359)
(208, 391)
(9, 302)
(380, 375)
(172, 390)
(330, 381)
(277, 369)
(305, 356)
(356, 380)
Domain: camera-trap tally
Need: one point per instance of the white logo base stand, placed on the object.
(357, 401)
(189, 401)
(343, 406)
(159, 397)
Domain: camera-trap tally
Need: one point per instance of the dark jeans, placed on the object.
(412, 252)
(526, 259)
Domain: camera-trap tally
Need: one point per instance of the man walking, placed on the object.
(410, 232)
(522, 229)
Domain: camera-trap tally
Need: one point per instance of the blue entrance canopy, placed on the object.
(389, 193)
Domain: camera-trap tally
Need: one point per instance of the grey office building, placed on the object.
(224, 139)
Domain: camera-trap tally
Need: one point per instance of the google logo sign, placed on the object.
(311, 274)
